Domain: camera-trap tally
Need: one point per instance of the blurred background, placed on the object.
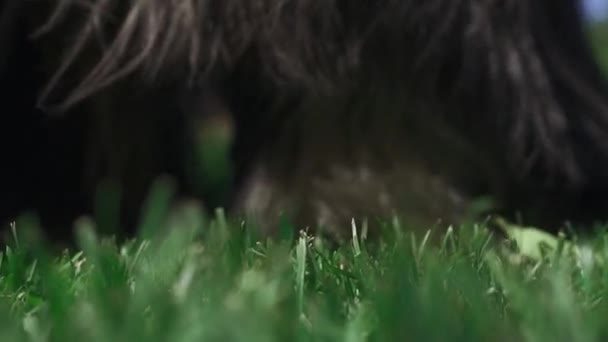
(596, 13)
(596, 10)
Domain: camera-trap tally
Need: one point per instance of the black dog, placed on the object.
(342, 108)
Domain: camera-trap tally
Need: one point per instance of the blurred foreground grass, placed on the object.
(191, 278)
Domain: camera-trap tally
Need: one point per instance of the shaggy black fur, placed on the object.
(342, 108)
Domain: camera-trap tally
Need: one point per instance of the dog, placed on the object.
(340, 109)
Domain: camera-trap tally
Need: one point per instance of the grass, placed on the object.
(598, 35)
(192, 278)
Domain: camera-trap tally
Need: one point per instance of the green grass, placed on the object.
(598, 37)
(191, 278)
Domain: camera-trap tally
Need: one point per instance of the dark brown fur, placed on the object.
(344, 108)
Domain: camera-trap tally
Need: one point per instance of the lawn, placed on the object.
(194, 278)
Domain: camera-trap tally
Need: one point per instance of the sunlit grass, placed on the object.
(192, 278)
